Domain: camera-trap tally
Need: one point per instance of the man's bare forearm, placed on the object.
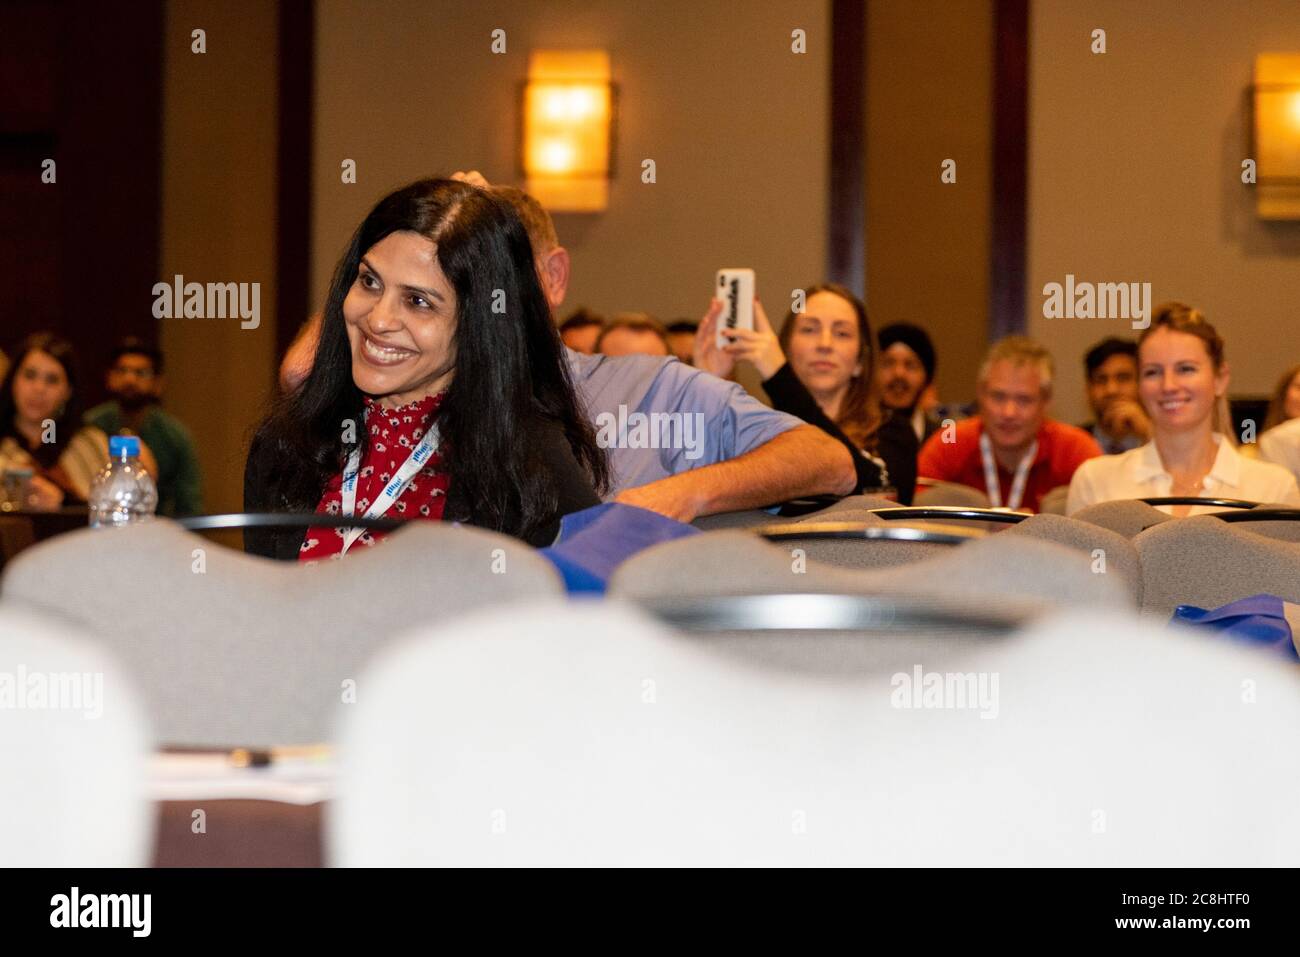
(802, 461)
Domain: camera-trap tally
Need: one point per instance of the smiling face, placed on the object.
(825, 345)
(40, 388)
(1012, 403)
(400, 316)
(1177, 381)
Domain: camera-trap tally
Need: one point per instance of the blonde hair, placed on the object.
(1180, 317)
(1020, 351)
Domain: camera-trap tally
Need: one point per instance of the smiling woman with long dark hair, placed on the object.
(439, 388)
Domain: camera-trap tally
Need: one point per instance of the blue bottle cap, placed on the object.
(130, 444)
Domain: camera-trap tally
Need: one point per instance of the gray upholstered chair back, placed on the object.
(748, 518)
(1000, 570)
(1109, 552)
(1205, 562)
(859, 553)
(232, 649)
(1127, 517)
(950, 493)
(850, 503)
(1285, 531)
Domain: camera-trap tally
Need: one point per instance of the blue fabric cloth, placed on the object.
(595, 541)
(1257, 620)
(657, 417)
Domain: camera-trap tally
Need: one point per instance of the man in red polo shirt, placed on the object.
(1011, 451)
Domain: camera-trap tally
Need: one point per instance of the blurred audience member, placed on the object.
(40, 424)
(581, 330)
(1281, 446)
(1183, 383)
(828, 380)
(135, 380)
(1011, 450)
(907, 364)
(1118, 422)
(681, 340)
(1285, 404)
(633, 333)
(459, 413)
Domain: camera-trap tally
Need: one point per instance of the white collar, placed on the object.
(1226, 469)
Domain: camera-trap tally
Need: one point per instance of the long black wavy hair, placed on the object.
(68, 419)
(510, 376)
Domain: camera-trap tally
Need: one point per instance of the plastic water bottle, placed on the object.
(123, 492)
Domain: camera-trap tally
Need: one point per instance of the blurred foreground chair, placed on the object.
(232, 649)
(75, 745)
(1084, 741)
(1204, 561)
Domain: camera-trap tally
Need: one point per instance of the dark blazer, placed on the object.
(896, 443)
(575, 488)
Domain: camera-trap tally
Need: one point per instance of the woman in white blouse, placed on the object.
(1183, 384)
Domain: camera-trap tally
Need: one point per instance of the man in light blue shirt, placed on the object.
(717, 420)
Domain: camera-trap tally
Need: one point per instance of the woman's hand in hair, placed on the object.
(758, 346)
(473, 177)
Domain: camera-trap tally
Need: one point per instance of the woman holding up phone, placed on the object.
(821, 368)
(439, 389)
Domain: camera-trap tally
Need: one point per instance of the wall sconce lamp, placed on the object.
(1276, 135)
(568, 129)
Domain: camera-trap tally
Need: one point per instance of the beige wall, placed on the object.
(1135, 162)
(734, 120)
(218, 224)
(929, 83)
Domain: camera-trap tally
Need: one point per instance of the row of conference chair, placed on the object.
(1204, 560)
(232, 648)
(598, 735)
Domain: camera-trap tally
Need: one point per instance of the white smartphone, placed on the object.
(735, 287)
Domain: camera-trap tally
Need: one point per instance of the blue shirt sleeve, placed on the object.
(732, 421)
